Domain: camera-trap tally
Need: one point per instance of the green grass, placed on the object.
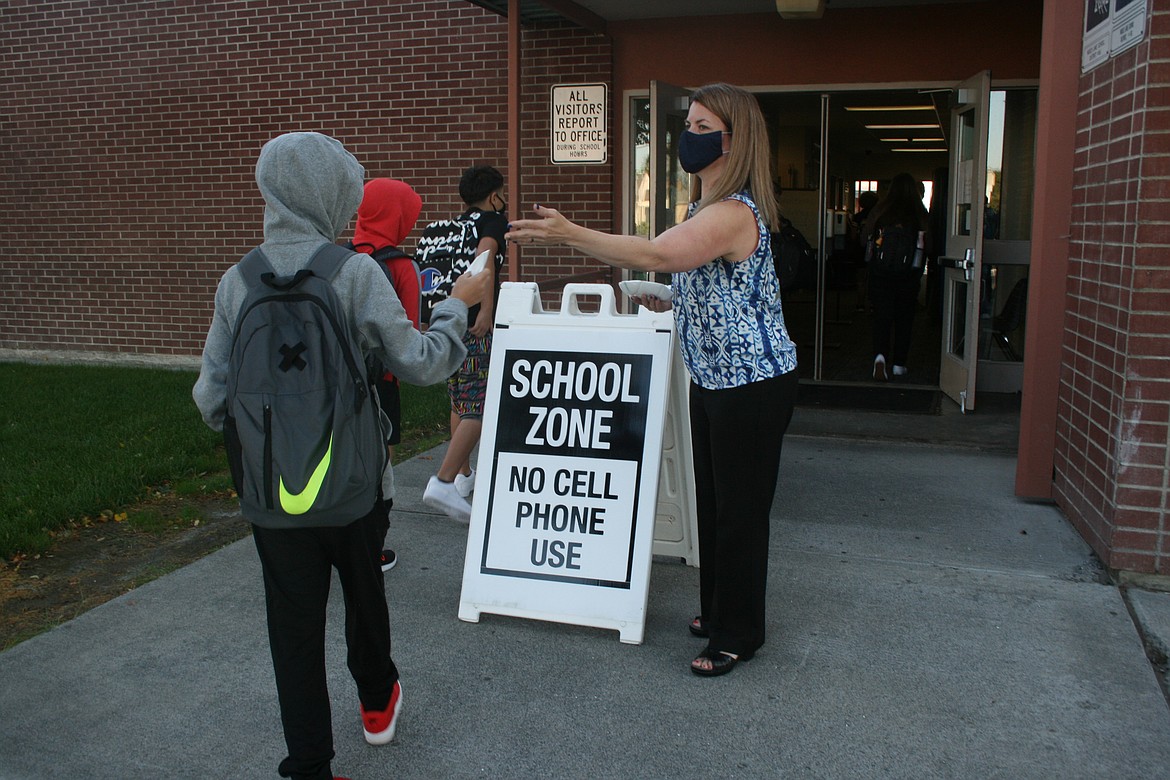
(426, 413)
(79, 440)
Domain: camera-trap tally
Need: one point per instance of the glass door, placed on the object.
(1007, 244)
(669, 183)
(963, 261)
(658, 189)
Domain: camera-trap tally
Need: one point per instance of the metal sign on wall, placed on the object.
(1111, 27)
(580, 114)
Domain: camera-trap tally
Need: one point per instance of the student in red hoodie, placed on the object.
(388, 213)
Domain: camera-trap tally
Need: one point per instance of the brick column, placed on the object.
(1112, 460)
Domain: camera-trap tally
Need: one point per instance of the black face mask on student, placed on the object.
(698, 150)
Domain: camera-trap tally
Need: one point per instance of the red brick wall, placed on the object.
(1112, 455)
(129, 132)
(584, 193)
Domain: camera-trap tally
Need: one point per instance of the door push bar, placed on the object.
(966, 264)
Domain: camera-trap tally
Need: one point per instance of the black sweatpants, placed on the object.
(894, 300)
(736, 436)
(297, 565)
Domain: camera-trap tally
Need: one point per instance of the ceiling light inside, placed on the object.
(889, 108)
(932, 126)
(800, 9)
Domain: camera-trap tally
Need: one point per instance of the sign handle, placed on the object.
(573, 291)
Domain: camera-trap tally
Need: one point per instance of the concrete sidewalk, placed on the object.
(923, 623)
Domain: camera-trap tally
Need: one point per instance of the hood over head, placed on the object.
(311, 186)
(388, 213)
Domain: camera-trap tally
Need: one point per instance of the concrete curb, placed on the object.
(1151, 613)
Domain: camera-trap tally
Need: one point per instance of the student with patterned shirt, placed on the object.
(482, 188)
(742, 363)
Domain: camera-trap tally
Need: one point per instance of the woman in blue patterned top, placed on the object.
(742, 363)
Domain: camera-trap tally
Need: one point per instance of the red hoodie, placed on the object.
(388, 213)
(389, 210)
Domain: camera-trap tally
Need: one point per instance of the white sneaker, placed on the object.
(445, 497)
(465, 483)
(879, 368)
(900, 370)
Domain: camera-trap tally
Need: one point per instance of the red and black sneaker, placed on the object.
(379, 725)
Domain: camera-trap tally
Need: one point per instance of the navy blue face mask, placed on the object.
(698, 150)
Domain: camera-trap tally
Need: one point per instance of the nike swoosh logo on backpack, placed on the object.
(299, 503)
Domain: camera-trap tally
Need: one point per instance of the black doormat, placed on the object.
(867, 397)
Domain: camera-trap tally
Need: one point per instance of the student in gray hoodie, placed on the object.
(312, 188)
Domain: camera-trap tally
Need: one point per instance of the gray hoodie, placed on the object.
(312, 188)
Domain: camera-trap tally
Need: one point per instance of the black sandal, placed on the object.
(721, 662)
(698, 627)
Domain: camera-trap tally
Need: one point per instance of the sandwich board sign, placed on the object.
(563, 515)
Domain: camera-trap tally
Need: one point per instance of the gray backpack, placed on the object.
(303, 429)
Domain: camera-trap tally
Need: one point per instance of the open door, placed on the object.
(963, 264)
(676, 520)
(669, 183)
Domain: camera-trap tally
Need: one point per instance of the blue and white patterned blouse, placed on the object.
(728, 316)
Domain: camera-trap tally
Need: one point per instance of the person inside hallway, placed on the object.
(736, 347)
(387, 214)
(894, 296)
(865, 203)
(857, 238)
(482, 189)
(311, 188)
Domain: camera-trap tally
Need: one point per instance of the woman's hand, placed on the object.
(652, 303)
(550, 228)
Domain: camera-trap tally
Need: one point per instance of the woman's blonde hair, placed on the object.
(749, 162)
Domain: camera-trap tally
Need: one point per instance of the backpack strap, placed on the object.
(388, 253)
(327, 260)
(324, 264)
(257, 271)
(253, 267)
(383, 257)
(470, 226)
(469, 239)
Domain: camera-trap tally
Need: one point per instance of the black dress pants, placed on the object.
(736, 436)
(297, 565)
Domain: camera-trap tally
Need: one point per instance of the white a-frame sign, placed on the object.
(563, 516)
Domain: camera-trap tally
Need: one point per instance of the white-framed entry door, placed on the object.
(669, 183)
(962, 264)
